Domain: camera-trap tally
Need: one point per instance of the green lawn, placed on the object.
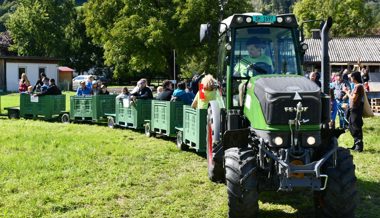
(56, 170)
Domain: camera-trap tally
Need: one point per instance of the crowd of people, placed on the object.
(43, 86)
(188, 93)
(347, 94)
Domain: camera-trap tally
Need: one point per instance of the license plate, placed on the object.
(264, 19)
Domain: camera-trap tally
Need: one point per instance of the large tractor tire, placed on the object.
(339, 199)
(241, 179)
(214, 150)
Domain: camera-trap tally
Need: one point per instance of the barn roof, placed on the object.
(345, 50)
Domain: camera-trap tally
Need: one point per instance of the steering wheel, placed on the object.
(261, 68)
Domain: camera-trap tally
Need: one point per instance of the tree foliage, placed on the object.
(273, 6)
(37, 27)
(6, 8)
(350, 17)
(140, 35)
(53, 28)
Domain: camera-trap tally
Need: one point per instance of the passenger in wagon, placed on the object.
(124, 94)
(181, 94)
(143, 92)
(52, 90)
(166, 95)
(83, 89)
(103, 90)
(207, 92)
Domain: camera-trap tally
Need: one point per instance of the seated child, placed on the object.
(207, 94)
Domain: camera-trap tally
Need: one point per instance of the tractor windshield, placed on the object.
(264, 50)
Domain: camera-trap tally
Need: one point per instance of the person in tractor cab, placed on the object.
(256, 63)
(207, 92)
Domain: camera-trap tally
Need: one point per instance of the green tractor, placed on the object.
(269, 130)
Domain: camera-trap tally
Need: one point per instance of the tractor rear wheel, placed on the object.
(214, 150)
(241, 178)
(339, 199)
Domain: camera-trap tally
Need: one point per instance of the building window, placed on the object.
(21, 70)
(42, 70)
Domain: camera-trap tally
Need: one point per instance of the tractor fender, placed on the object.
(215, 116)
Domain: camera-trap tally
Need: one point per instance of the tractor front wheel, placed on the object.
(339, 199)
(241, 178)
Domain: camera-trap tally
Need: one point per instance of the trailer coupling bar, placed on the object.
(313, 167)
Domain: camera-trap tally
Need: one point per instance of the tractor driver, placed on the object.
(256, 63)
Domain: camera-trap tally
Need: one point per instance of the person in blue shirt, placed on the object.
(83, 89)
(45, 85)
(90, 81)
(181, 94)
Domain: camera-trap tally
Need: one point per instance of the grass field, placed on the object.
(56, 170)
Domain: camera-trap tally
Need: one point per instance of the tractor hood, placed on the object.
(279, 92)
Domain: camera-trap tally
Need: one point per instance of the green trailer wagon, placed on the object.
(47, 107)
(193, 133)
(165, 117)
(90, 108)
(131, 115)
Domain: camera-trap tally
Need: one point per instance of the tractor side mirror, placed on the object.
(205, 32)
(303, 49)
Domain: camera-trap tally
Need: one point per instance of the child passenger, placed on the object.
(206, 94)
(124, 94)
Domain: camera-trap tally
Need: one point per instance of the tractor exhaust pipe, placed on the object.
(325, 73)
(325, 65)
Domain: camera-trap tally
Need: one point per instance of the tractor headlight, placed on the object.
(289, 19)
(248, 19)
(239, 19)
(311, 140)
(280, 19)
(278, 141)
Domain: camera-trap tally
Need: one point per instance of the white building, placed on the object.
(11, 69)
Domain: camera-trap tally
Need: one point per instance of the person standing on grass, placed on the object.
(356, 111)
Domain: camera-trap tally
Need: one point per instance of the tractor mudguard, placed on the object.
(235, 138)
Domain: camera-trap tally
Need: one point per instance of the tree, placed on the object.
(139, 36)
(82, 53)
(6, 7)
(37, 27)
(350, 17)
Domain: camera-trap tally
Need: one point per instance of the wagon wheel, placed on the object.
(180, 145)
(111, 122)
(65, 118)
(148, 130)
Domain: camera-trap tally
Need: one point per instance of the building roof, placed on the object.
(30, 58)
(346, 50)
(65, 69)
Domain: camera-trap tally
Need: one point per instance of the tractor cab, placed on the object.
(253, 44)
